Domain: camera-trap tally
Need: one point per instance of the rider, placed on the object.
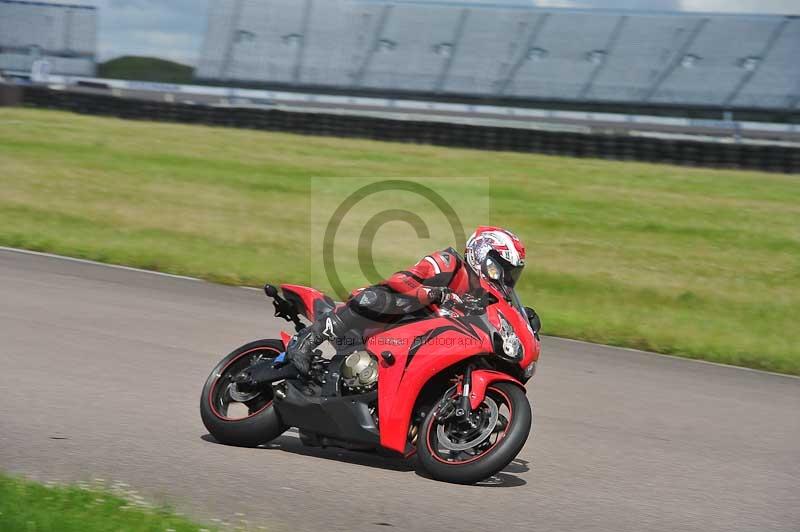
(438, 278)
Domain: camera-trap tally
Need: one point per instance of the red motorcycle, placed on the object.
(448, 386)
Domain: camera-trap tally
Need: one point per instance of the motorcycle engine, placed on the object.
(359, 372)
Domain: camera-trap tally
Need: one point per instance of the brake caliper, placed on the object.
(447, 409)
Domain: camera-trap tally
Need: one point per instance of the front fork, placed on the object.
(460, 408)
(463, 406)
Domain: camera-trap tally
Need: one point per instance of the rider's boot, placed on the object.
(369, 305)
(300, 351)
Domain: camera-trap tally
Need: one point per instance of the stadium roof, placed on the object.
(48, 4)
(530, 6)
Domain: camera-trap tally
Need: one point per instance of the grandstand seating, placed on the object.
(486, 47)
(424, 56)
(719, 56)
(507, 51)
(64, 35)
(564, 63)
(333, 65)
(777, 81)
(73, 66)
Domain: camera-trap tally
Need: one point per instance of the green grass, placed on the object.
(695, 262)
(30, 507)
(146, 69)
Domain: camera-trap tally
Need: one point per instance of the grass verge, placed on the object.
(32, 507)
(695, 262)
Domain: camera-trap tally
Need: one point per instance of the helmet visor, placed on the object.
(508, 274)
(513, 273)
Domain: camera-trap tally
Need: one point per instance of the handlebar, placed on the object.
(467, 303)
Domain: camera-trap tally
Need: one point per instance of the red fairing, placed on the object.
(414, 365)
(285, 338)
(481, 379)
(530, 344)
(308, 296)
(423, 349)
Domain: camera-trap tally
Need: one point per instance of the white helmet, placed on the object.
(503, 249)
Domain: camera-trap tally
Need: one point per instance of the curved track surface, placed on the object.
(102, 369)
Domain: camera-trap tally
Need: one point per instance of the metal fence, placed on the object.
(682, 152)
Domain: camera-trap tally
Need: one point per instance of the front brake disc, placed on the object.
(482, 436)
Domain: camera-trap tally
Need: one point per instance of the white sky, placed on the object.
(174, 29)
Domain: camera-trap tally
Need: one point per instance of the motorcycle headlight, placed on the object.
(510, 346)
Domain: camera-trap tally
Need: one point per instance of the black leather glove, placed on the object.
(436, 296)
(441, 295)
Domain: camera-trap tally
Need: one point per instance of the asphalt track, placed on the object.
(102, 370)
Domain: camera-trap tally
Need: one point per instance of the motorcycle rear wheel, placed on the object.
(256, 421)
(507, 421)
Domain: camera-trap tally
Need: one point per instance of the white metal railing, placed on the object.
(419, 109)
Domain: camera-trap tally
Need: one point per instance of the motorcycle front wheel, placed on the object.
(461, 451)
(234, 417)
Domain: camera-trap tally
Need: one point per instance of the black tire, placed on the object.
(262, 423)
(489, 462)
